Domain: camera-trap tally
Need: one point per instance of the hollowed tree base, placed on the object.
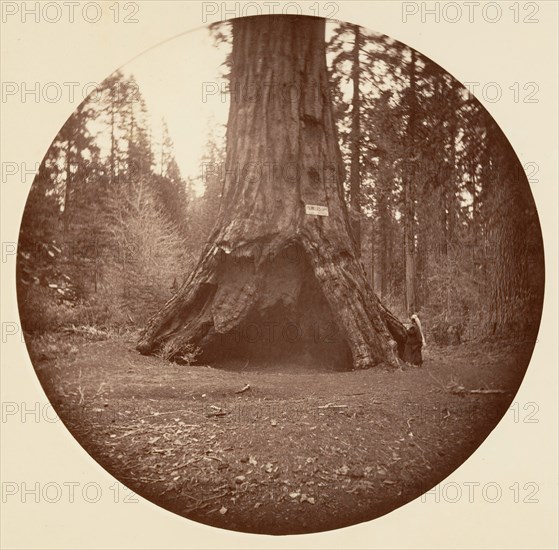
(290, 323)
(264, 305)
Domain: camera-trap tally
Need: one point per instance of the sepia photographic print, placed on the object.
(281, 274)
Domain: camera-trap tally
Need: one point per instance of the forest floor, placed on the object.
(302, 450)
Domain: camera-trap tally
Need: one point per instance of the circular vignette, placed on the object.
(198, 256)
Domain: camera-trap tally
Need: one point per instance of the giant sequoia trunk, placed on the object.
(277, 283)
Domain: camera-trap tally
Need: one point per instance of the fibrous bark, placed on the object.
(274, 281)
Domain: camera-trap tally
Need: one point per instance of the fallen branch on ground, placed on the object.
(156, 414)
(457, 389)
(487, 391)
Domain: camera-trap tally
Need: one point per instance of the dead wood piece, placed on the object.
(487, 391)
(218, 413)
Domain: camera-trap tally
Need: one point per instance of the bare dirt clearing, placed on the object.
(300, 451)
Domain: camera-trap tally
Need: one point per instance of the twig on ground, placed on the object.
(487, 391)
(212, 458)
(129, 433)
(201, 500)
(437, 380)
(155, 415)
(99, 391)
(145, 479)
(196, 508)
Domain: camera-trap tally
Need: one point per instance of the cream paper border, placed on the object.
(516, 452)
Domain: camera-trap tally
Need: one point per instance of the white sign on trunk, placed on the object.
(316, 210)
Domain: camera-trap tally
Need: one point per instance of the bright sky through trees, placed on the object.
(182, 82)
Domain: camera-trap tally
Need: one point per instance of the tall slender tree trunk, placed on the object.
(475, 222)
(68, 183)
(444, 185)
(409, 182)
(382, 240)
(277, 281)
(113, 138)
(373, 237)
(355, 171)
